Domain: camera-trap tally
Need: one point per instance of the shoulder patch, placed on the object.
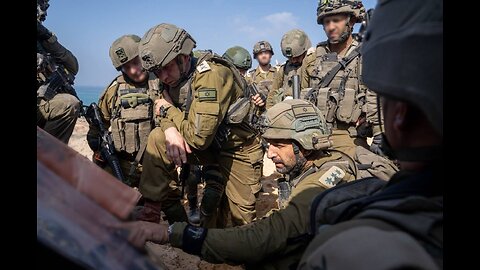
(207, 94)
(203, 66)
(331, 177)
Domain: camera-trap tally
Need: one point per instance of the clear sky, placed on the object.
(88, 27)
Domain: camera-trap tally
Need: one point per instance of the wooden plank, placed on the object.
(76, 170)
(78, 228)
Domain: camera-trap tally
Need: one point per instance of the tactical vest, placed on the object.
(288, 72)
(264, 85)
(132, 115)
(342, 99)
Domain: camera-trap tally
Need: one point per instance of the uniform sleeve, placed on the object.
(372, 111)
(212, 92)
(61, 54)
(255, 242)
(277, 84)
(308, 66)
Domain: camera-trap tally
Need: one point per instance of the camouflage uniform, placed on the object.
(345, 99)
(129, 141)
(264, 80)
(232, 153)
(294, 44)
(58, 115)
(283, 234)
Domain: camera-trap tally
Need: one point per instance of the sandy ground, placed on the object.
(167, 256)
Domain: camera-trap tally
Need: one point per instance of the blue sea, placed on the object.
(89, 94)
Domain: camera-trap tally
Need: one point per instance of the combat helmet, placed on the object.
(42, 6)
(298, 120)
(124, 49)
(262, 46)
(294, 43)
(388, 44)
(239, 56)
(162, 43)
(332, 7)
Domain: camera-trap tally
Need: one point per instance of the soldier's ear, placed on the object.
(352, 20)
(306, 153)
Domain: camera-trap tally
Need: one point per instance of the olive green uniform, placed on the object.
(282, 85)
(264, 80)
(278, 240)
(110, 107)
(358, 100)
(240, 158)
(58, 115)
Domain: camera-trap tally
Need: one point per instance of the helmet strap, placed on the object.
(181, 67)
(299, 162)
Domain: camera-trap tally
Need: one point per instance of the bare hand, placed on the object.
(177, 148)
(139, 232)
(258, 101)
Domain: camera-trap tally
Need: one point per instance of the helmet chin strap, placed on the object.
(299, 162)
(183, 72)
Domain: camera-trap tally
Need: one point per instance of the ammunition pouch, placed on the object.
(131, 100)
(238, 111)
(346, 106)
(134, 121)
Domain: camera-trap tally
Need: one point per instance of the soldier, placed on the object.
(295, 44)
(405, 215)
(333, 72)
(195, 128)
(127, 107)
(297, 136)
(56, 115)
(240, 58)
(264, 74)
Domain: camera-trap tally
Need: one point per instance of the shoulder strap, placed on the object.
(341, 65)
(236, 74)
(113, 109)
(189, 100)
